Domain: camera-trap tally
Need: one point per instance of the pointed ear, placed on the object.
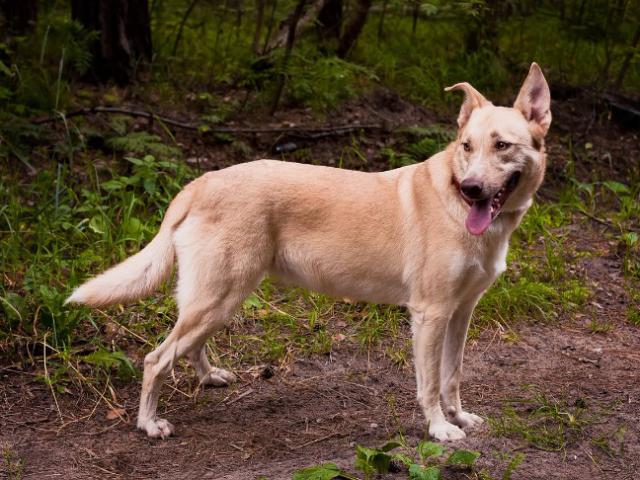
(472, 99)
(534, 99)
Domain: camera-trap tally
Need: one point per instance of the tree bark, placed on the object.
(330, 21)
(354, 27)
(125, 36)
(20, 15)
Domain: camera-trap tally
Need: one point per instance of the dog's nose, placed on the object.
(472, 188)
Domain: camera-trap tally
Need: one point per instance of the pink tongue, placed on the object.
(479, 217)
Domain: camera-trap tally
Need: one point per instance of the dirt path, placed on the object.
(320, 407)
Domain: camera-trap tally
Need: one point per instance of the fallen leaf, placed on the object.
(116, 413)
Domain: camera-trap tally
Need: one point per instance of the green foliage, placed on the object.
(142, 143)
(326, 471)
(108, 360)
(418, 472)
(57, 230)
(465, 458)
(372, 461)
(429, 449)
(323, 82)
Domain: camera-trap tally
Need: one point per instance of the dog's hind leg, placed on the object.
(196, 323)
(207, 374)
(451, 369)
(213, 279)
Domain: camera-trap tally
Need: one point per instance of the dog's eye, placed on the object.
(500, 145)
(466, 146)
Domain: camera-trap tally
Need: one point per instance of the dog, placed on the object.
(432, 237)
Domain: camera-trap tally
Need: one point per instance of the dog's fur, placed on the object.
(395, 237)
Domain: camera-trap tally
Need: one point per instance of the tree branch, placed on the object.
(306, 132)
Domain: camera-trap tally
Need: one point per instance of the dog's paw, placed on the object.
(156, 428)
(466, 420)
(443, 431)
(218, 377)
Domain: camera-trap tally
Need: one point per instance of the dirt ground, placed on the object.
(319, 408)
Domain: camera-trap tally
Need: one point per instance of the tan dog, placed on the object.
(432, 236)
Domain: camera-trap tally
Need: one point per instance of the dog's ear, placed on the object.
(472, 99)
(534, 99)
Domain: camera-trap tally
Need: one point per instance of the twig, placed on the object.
(317, 440)
(606, 223)
(311, 132)
(49, 381)
(241, 396)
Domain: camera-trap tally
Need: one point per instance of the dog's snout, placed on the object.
(472, 188)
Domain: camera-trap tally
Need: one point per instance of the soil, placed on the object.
(318, 408)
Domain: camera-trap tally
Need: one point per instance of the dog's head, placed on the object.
(498, 156)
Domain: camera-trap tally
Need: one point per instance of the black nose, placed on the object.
(472, 188)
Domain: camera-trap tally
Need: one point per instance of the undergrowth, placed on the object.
(78, 218)
(425, 461)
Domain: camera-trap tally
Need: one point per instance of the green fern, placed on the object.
(142, 143)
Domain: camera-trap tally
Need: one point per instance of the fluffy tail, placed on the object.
(140, 274)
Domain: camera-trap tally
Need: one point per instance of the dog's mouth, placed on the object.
(482, 212)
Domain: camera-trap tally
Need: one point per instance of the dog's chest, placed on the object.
(477, 269)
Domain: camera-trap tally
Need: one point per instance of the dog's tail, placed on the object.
(140, 274)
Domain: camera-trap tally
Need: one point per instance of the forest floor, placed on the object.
(565, 393)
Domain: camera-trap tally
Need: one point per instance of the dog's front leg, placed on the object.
(429, 329)
(451, 370)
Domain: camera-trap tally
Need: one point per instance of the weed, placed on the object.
(424, 462)
(542, 421)
(13, 467)
(599, 326)
(611, 443)
(630, 247)
(633, 315)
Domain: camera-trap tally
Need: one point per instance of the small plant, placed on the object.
(630, 247)
(599, 326)
(425, 462)
(142, 143)
(542, 421)
(13, 467)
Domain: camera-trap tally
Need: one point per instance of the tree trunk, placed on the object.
(354, 27)
(20, 15)
(415, 12)
(125, 36)
(330, 21)
(484, 27)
